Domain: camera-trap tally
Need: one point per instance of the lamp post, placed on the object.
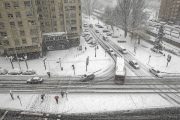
(10, 59)
(60, 62)
(44, 62)
(15, 52)
(149, 59)
(73, 68)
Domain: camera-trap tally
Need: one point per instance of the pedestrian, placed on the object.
(42, 97)
(56, 98)
(11, 95)
(66, 95)
(62, 94)
(85, 48)
(49, 74)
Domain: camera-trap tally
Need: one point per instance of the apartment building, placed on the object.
(24, 24)
(170, 11)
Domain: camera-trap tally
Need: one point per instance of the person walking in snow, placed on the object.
(85, 48)
(42, 97)
(66, 95)
(56, 98)
(62, 94)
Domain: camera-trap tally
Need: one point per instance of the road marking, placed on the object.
(4, 115)
(27, 113)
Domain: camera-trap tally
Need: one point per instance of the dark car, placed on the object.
(3, 71)
(134, 64)
(85, 77)
(91, 25)
(97, 31)
(121, 41)
(100, 26)
(36, 80)
(106, 31)
(28, 72)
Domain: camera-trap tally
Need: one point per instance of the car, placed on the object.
(97, 25)
(85, 77)
(3, 71)
(105, 38)
(109, 34)
(155, 50)
(92, 45)
(28, 72)
(97, 31)
(15, 71)
(88, 39)
(86, 30)
(114, 36)
(106, 31)
(121, 41)
(35, 80)
(122, 50)
(85, 25)
(100, 26)
(134, 64)
(86, 34)
(157, 73)
(91, 25)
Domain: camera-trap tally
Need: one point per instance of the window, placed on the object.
(72, 1)
(39, 9)
(79, 7)
(20, 24)
(7, 5)
(24, 41)
(15, 4)
(46, 16)
(6, 42)
(34, 40)
(47, 23)
(40, 17)
(3, 34)
(22, 33)
(18, 14)
(55, 29)
(52, 1)
(27, 3)
(60, 8)
(31, 22)
(16, 42)
(73, 28)
(73, 21)
(33, 31)
(67, 15)
(37, 2)
(62, 22)
(67, 8)
(10, 15)
(1, 25)
(54, 23)
(72, 7)
(0, 43)
(29, 13)
(44, 2)
(65, 1)
(54, 16)
(67, 22)
(42, 24)
(61, 16)
(45, 9)
(52, 8)
(12, 24)
(72, 15)
(0, 15)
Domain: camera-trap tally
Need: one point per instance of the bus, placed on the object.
(120, 72)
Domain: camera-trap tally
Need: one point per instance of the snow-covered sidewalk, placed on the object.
(83, 103)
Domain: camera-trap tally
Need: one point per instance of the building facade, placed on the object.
(23, 23)
(170, 11)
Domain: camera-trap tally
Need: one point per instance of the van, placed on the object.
(123, 50)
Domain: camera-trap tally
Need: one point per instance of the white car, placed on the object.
(157, 73)
(15, 71)
(34, 80)
(134, 64)
(3, 71)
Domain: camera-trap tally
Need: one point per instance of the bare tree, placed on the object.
(123, 10)
(88, 6)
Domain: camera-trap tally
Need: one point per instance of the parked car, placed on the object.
(121, 41)
(85, 77)
(85, 34)
(97, 31)
(157, 73)
(15, 71)
(155, 50)
(88, 39)
(85, 25)
(35, 80)
(105, 38)
(97, 25)
(114, 36)
(109, 34)
(122, 50)
(28, 72)
(106, 31)
(3, 71)
(86, 30)
(91, 25)
(100, 26)
(134, 64)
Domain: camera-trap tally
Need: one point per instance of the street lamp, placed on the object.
(25, 58)
(44, 62)
(60, 62)
(15, 53)
(73, 68)
(10, 59)
(149, 58)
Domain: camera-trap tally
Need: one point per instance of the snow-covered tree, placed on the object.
(88, 6)
(123, 10)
